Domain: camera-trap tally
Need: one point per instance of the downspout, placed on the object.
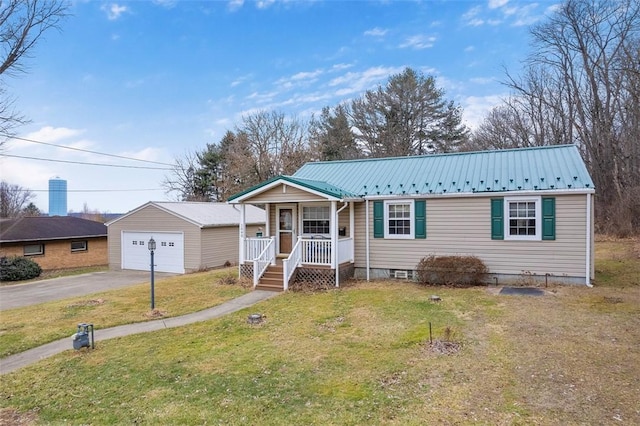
(366, 229)
(335, 252)
(589, 242)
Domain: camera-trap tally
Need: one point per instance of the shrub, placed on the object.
(451, 270)
(18, 268)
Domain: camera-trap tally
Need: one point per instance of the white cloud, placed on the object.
(357, 82)
(166, 3)
(475, 108)
(264, 4)
(149, 154)
(525, 15)
(469, 48)
(376, 32)
(418, 42)
(481, 80)
(234, 5)
(51, 134)
(494, 4)
(114, 11)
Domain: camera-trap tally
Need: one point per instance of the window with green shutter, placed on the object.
(548, 218)
(497, 221)
(420, 208)
(378, 219)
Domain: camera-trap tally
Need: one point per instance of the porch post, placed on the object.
(352, 233)
(267, 225)
(366, 234)
(243, 234)
(333, 229)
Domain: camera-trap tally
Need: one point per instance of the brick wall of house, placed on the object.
(58, 254)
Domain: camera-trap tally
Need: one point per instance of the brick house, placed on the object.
(58, 242)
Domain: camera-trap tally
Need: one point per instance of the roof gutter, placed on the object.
(485, 194)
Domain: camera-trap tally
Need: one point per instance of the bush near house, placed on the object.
(17, 268)
(451, 270)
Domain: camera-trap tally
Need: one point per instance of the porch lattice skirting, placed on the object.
(246, 271)
(322, 277)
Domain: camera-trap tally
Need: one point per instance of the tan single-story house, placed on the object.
(189, 236)
(525, 212)
(57, 242)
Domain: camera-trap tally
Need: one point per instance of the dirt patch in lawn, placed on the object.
(9, 416)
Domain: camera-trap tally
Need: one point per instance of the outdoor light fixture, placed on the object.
(152, 247)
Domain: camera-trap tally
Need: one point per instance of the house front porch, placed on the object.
(312, 259)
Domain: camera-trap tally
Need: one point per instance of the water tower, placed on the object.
(57, 197)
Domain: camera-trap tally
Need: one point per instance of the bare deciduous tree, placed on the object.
(22, 24)
(13, 200)
(582, 86)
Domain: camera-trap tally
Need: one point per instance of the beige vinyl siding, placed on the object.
(150, 219)
(282, 194)
(462, 226)
(220, 245)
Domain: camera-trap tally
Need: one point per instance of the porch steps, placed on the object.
(272, 279)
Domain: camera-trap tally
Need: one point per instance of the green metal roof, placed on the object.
(558, 167)
(541, 168)
(315, 185)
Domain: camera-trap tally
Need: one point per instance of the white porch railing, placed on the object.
(253, 247)
(290, 264)
(264, 259)
(306, 251)
(315, 251)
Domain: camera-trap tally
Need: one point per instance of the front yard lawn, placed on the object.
(361, 355)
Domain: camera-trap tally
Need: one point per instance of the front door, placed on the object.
(286, 229)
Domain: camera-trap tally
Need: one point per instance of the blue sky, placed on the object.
(154, 80)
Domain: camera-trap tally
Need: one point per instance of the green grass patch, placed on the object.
(27, 327)
(617, 263)
(359, 355)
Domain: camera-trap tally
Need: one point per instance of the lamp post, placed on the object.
(152, 247)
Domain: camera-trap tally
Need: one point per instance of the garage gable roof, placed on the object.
(42, 228)
(204, 214)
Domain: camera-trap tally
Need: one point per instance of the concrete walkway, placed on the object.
(14, 362)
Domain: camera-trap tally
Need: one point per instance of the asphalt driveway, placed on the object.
(19, 295)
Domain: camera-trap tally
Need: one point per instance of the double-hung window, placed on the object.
(398, 219)
(523, 218)
(316, 220)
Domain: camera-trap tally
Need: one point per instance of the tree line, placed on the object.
(579, 85)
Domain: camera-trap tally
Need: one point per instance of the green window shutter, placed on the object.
(549, 218)
(378, 219)
(420, 211)
(497, 220)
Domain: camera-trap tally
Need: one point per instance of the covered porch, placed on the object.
(308, 236)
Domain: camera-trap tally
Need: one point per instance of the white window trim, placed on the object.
(412, 218)
(538, 207)
(301, 217)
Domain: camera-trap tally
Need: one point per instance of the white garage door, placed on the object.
(168, 256)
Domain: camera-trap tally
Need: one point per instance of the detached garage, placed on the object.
(189, 236)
